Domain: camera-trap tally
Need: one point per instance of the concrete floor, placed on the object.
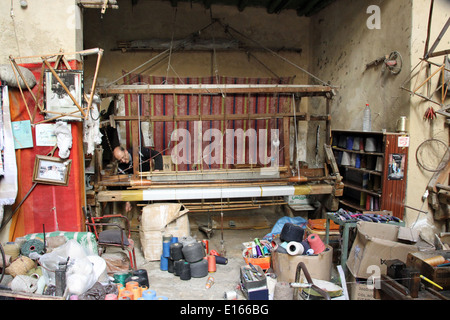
(226, 277)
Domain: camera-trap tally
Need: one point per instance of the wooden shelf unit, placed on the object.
(383, 184)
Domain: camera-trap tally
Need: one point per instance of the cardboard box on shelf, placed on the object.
(374, 244)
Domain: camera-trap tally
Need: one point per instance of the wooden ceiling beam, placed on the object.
(215, 89)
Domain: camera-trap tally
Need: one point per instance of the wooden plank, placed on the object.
(215, 89)
(214, 117)
(393, 191)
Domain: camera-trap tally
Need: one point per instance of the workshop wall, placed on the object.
(28, 31)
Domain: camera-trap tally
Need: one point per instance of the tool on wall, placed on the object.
(393, 62)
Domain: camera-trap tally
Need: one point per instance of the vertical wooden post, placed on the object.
(328, 122)
(286, 138)
(135, 137)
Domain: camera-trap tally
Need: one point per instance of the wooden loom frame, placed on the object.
(60, 57)
(308, 181)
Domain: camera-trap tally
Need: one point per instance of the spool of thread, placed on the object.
(221, 260)
(19, 266)
(164, 263)
(111, 296)
(120, 289)
(166, 249)
(309, 252)
(121, 277)
(306, 246)
(185, 271)
(149, 294)
(230, 295)
(170, 265)
(294, 248)
(30, 246)
(174, 240)
(130, 285)
(199, 269)
(24, 283)
(206, 245)
(136, 292)
(258, 251)
(193, 252)
(214, 253)
(435, 261)
(316, 243)
(127, 295)
(7, 261)
(291, 232)
(212, 263)
(142, 277)
(176, 252)
(177, 265)
(11, 249)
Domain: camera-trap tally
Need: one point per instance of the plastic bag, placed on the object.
(80, 273)
(276, 230)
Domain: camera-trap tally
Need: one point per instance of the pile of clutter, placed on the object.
(55, 267)
(133, 286)
(187, 257)
(346, 215)
(62, 268)
(293, 242)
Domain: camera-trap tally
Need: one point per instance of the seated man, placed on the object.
(125, 158)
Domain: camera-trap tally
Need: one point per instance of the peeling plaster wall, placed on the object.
(40, 28)
(421, 130)
(159, 20)
(342, 45)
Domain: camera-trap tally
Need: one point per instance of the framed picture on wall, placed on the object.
(51, 170)
(58, 101)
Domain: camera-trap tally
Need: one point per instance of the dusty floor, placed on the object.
(226, 277)
(248, 225)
